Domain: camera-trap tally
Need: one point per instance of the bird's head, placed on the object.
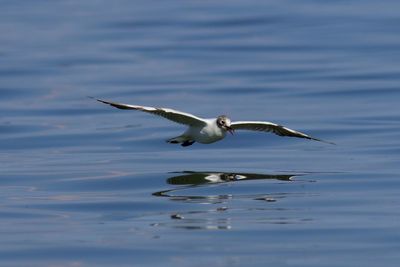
(224, 123)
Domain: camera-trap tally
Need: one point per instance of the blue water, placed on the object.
(83, 184)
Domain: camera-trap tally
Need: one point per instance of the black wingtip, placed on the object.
(323, 141)
(102, 101)
(94, 98)
(91, 97)
(113, 104)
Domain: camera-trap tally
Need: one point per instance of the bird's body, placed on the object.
(207, 134)
(207, 131)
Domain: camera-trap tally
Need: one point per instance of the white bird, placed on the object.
(207, 131)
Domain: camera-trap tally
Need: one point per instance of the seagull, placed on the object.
(207, 131)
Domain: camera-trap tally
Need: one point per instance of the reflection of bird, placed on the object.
(208, 131)
(195, 178)
(191, 179)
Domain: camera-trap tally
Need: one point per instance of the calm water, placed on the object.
(82, 184)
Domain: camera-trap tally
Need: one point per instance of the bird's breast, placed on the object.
(207, 134)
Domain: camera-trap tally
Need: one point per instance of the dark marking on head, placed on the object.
(222, 120)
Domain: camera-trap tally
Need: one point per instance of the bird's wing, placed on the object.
(265, 126)
(170, 114)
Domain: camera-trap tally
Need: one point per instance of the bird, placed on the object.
(207, 131)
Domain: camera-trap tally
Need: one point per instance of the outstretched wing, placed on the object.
(265, 126)
(170, 114)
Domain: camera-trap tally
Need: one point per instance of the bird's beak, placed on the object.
(230, 129)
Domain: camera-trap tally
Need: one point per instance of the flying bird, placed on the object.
(207, 131)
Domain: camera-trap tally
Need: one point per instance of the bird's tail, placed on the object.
(177, 140)
(182, 139)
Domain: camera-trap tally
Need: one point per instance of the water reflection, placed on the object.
(191, 179)
(228, 204)
(196, 178)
